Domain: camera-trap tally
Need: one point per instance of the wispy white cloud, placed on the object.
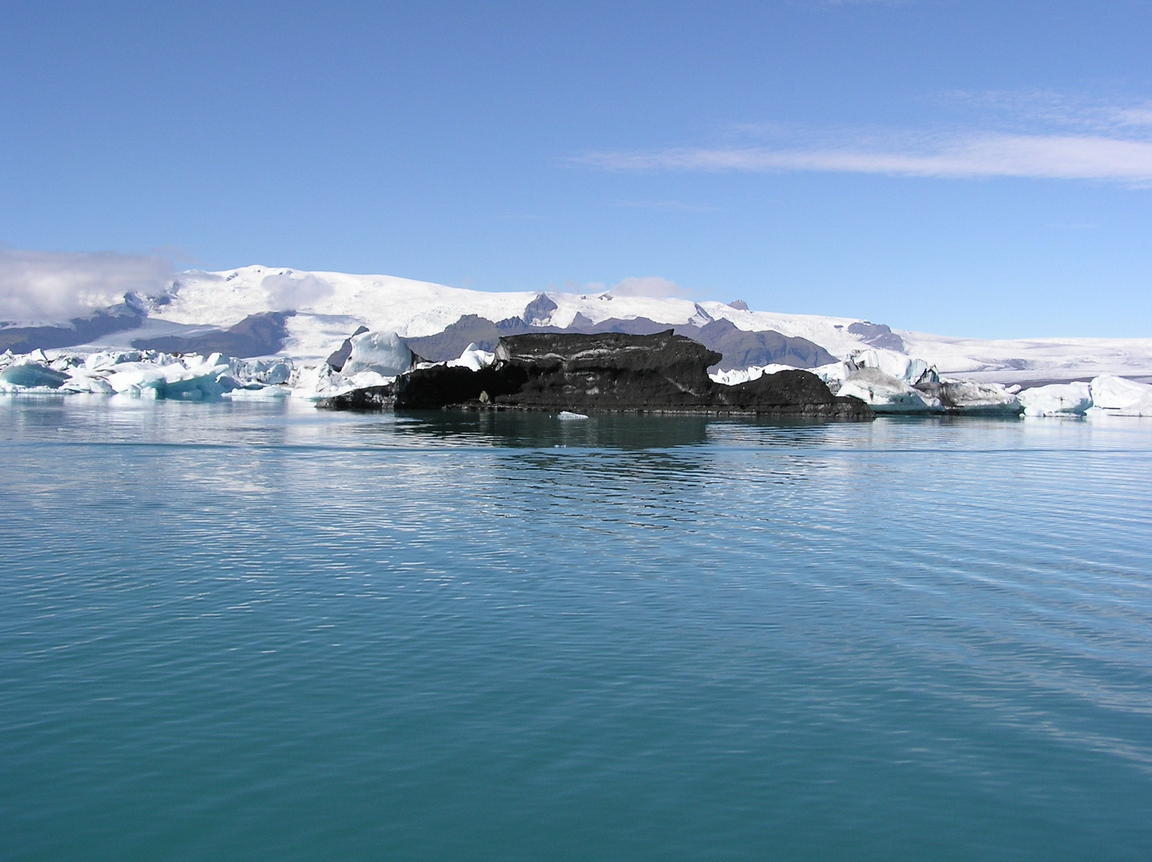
(1090, 157)
(1032, 135)
(294, 292)
(1054, 110)
(1140, 115)
(44, 285)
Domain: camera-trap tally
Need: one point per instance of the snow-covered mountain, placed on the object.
(261, 311)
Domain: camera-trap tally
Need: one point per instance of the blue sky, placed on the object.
(975, 168)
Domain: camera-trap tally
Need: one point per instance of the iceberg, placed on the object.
(736, 376)
(83, 380)
(1056, 399)
(474, 358)
(320, 382)
(900, 366)
(885, 380)
(263, 393)
(142, 374)
(31, 375)
(885, 393)
(966, 396)
(197, 381)
(1118, 396)
(892, 382)
(374, 359)
(383, 353)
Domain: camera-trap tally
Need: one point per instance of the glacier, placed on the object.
(281, 333)
(259, 310)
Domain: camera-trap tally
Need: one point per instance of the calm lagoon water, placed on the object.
(264, 632)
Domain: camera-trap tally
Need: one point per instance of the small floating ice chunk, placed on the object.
(263, 393)
(567, 415)
(733, 376)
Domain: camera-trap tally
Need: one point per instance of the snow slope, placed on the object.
(1034, 359)
(331, 305)
(330, 302)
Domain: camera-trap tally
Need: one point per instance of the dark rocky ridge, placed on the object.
(79, 330)
(877, 335)
(661, 372)
(256, 335)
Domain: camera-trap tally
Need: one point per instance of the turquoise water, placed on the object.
(263, 632)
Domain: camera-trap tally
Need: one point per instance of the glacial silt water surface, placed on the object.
(265, 632)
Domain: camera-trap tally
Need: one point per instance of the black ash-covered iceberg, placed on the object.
(662, 372)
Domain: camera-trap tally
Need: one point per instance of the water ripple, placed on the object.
(249, 631)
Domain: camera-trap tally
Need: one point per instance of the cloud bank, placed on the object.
(648, 285)
(53, 286)
(292, 293)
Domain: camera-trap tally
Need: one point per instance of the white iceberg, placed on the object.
(321, 381)
(194, 378)
(262, 393)
(1118, 396)
(375, 359)
(381, 352)
(968, 397)
(885, 393)
(1057, 399)
(279, 369)
(83, 380)
(475, 358)
(734, 376)
(901, 366)
(140, 374)
(892, 382)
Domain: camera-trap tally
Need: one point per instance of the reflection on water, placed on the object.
(515, 429)
(290, 423)
(264, 631)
